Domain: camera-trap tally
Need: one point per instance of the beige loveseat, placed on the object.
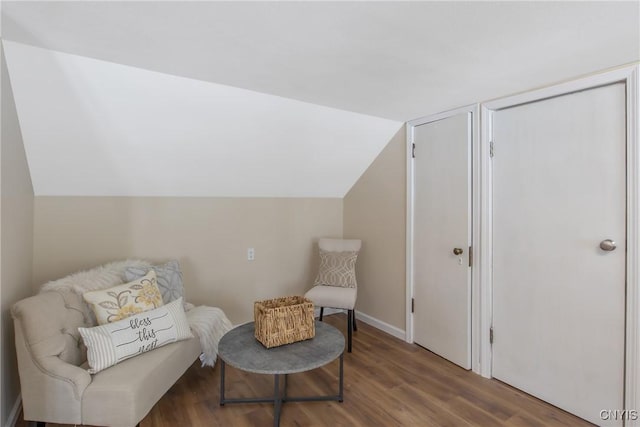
(56, 386)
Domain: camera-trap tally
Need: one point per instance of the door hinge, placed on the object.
(413, 150)
(491, 335)
(470, 256)
(491, 149)
(413, 304)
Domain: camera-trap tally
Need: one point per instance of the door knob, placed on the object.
(608, 245)
(457, 251)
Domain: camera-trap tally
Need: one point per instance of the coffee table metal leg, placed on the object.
(284, 393)
(277, 399)
(221, 382)
(280, 394)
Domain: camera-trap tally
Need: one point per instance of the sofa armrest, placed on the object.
(49, 350)
(57, 369)
(51, 388)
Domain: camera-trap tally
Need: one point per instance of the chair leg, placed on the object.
(321, 313)
(353, 314)
(349, 329)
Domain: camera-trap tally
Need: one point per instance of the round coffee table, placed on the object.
(240, 349)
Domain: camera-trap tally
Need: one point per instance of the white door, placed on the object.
(442, 225)
(558, 297)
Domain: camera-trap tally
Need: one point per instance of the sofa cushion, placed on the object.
(122, 301)
(117, 341)
(125, 393)
(169, 278)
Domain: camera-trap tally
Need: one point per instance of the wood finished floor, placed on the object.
(387, 383)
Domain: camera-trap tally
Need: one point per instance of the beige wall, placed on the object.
(209, 236)
(16, 238)
(375, 211)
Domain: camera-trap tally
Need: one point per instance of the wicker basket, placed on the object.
(283, 320)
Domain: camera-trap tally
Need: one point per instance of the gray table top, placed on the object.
(239, 348)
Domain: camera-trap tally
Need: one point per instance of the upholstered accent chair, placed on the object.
(335, 285)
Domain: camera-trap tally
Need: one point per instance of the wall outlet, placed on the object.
(251, 254)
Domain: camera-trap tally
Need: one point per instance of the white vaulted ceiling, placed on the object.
(272, 98)
(97, 128)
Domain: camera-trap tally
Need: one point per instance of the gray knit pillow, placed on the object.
(169, 279)
(337, 269)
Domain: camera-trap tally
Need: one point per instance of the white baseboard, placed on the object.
(328, 311)
(15, 412)
(369, 320)
(379, 324)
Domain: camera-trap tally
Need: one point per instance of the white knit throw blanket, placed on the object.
(209, 324)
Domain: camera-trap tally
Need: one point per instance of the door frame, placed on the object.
(473, 110)
(630, 76)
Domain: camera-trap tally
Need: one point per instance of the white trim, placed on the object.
(472, 108)
(327, 311)
(379, 324)
(472, 111)
(369, 320)
(409, 237)
(632, 349)
(15, 412)
(482, 364)
(471, 118)
(630, 76)
(621, 74)
(476, 233)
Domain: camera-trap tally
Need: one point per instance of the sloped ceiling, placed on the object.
(200, 87)
(97, 128)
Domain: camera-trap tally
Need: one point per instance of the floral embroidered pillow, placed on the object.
(122, 301)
